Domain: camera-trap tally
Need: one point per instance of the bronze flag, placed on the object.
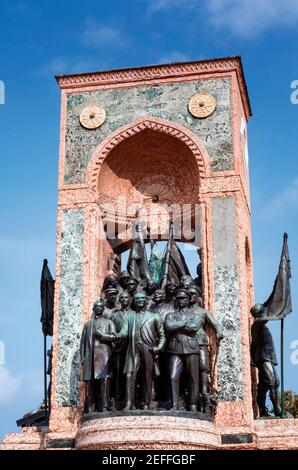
(279, 303)
(47, 286)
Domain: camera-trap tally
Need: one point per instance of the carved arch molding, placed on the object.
(155, 124)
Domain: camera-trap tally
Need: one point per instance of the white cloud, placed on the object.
(244, 18)
(284, 201)
(56, 66)
(60, 66)
(2, 353)
(17, 387)
(158, 5)
(94, 35)
(250, 17)
(99, 35)
(174, 56)
(9, 385)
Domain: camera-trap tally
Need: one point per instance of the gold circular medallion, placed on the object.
(201, 105)
(92, 117)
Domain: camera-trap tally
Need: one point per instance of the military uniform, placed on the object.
(205, 317)
(263, 356)
(184, 349)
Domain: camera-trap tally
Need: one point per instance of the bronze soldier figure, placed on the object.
(96, 356)
(111, 304)
(123, 279)
(186, 281)
(263, 357)
(183, 346)
(148, 286)
(204, 317)
(131, 286)
(110, 280)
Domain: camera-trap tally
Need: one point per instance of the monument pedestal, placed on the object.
(147, 432)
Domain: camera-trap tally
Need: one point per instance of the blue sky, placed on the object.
(41, 38)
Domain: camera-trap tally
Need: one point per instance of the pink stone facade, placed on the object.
(177, 150)
(152, 433)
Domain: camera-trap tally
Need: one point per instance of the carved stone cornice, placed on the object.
(165, 72)
(76, 196)
(217, 184)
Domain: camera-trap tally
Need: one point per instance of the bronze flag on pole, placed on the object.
(47, 285)
(174, 262)
(279, 303)
(137, 264)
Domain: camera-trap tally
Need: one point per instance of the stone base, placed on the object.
(158, 433)
(147, 432)
(279, 434)
(31, 438)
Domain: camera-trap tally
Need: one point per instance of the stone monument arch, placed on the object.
(148, 159)
(151, 137)
(165, 134)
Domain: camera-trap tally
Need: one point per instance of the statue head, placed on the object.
(170, 288)
(186, 281)
(195, 294)
(131, 285)
(257, 310)
(98, 308)
(159, 296)
(140, 300)
(150, 286)
(124, 299)
(123, 279)
(111, 294)
(182, 298)
(110, 281)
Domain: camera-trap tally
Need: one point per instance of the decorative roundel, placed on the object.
(92, 117)
(201, 105)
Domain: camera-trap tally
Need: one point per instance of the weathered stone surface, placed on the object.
(60, 443)
(169, 101)
(159, 434)
(237, 438)
(147, 432)
(227, 297)
(70, 307)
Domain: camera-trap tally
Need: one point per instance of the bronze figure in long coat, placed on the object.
(96, 354)
(146, 338)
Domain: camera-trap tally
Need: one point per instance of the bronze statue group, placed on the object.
(143, 339)
(146, 344)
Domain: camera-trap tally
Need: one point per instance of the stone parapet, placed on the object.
(281, 434)
(31, 438)
(158, 433)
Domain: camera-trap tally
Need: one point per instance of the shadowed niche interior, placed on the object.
(150, 167)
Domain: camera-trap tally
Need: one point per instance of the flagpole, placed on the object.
(45, 375)
(282, 368)
(167, 258)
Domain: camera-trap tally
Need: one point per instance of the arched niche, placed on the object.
(153, 164)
